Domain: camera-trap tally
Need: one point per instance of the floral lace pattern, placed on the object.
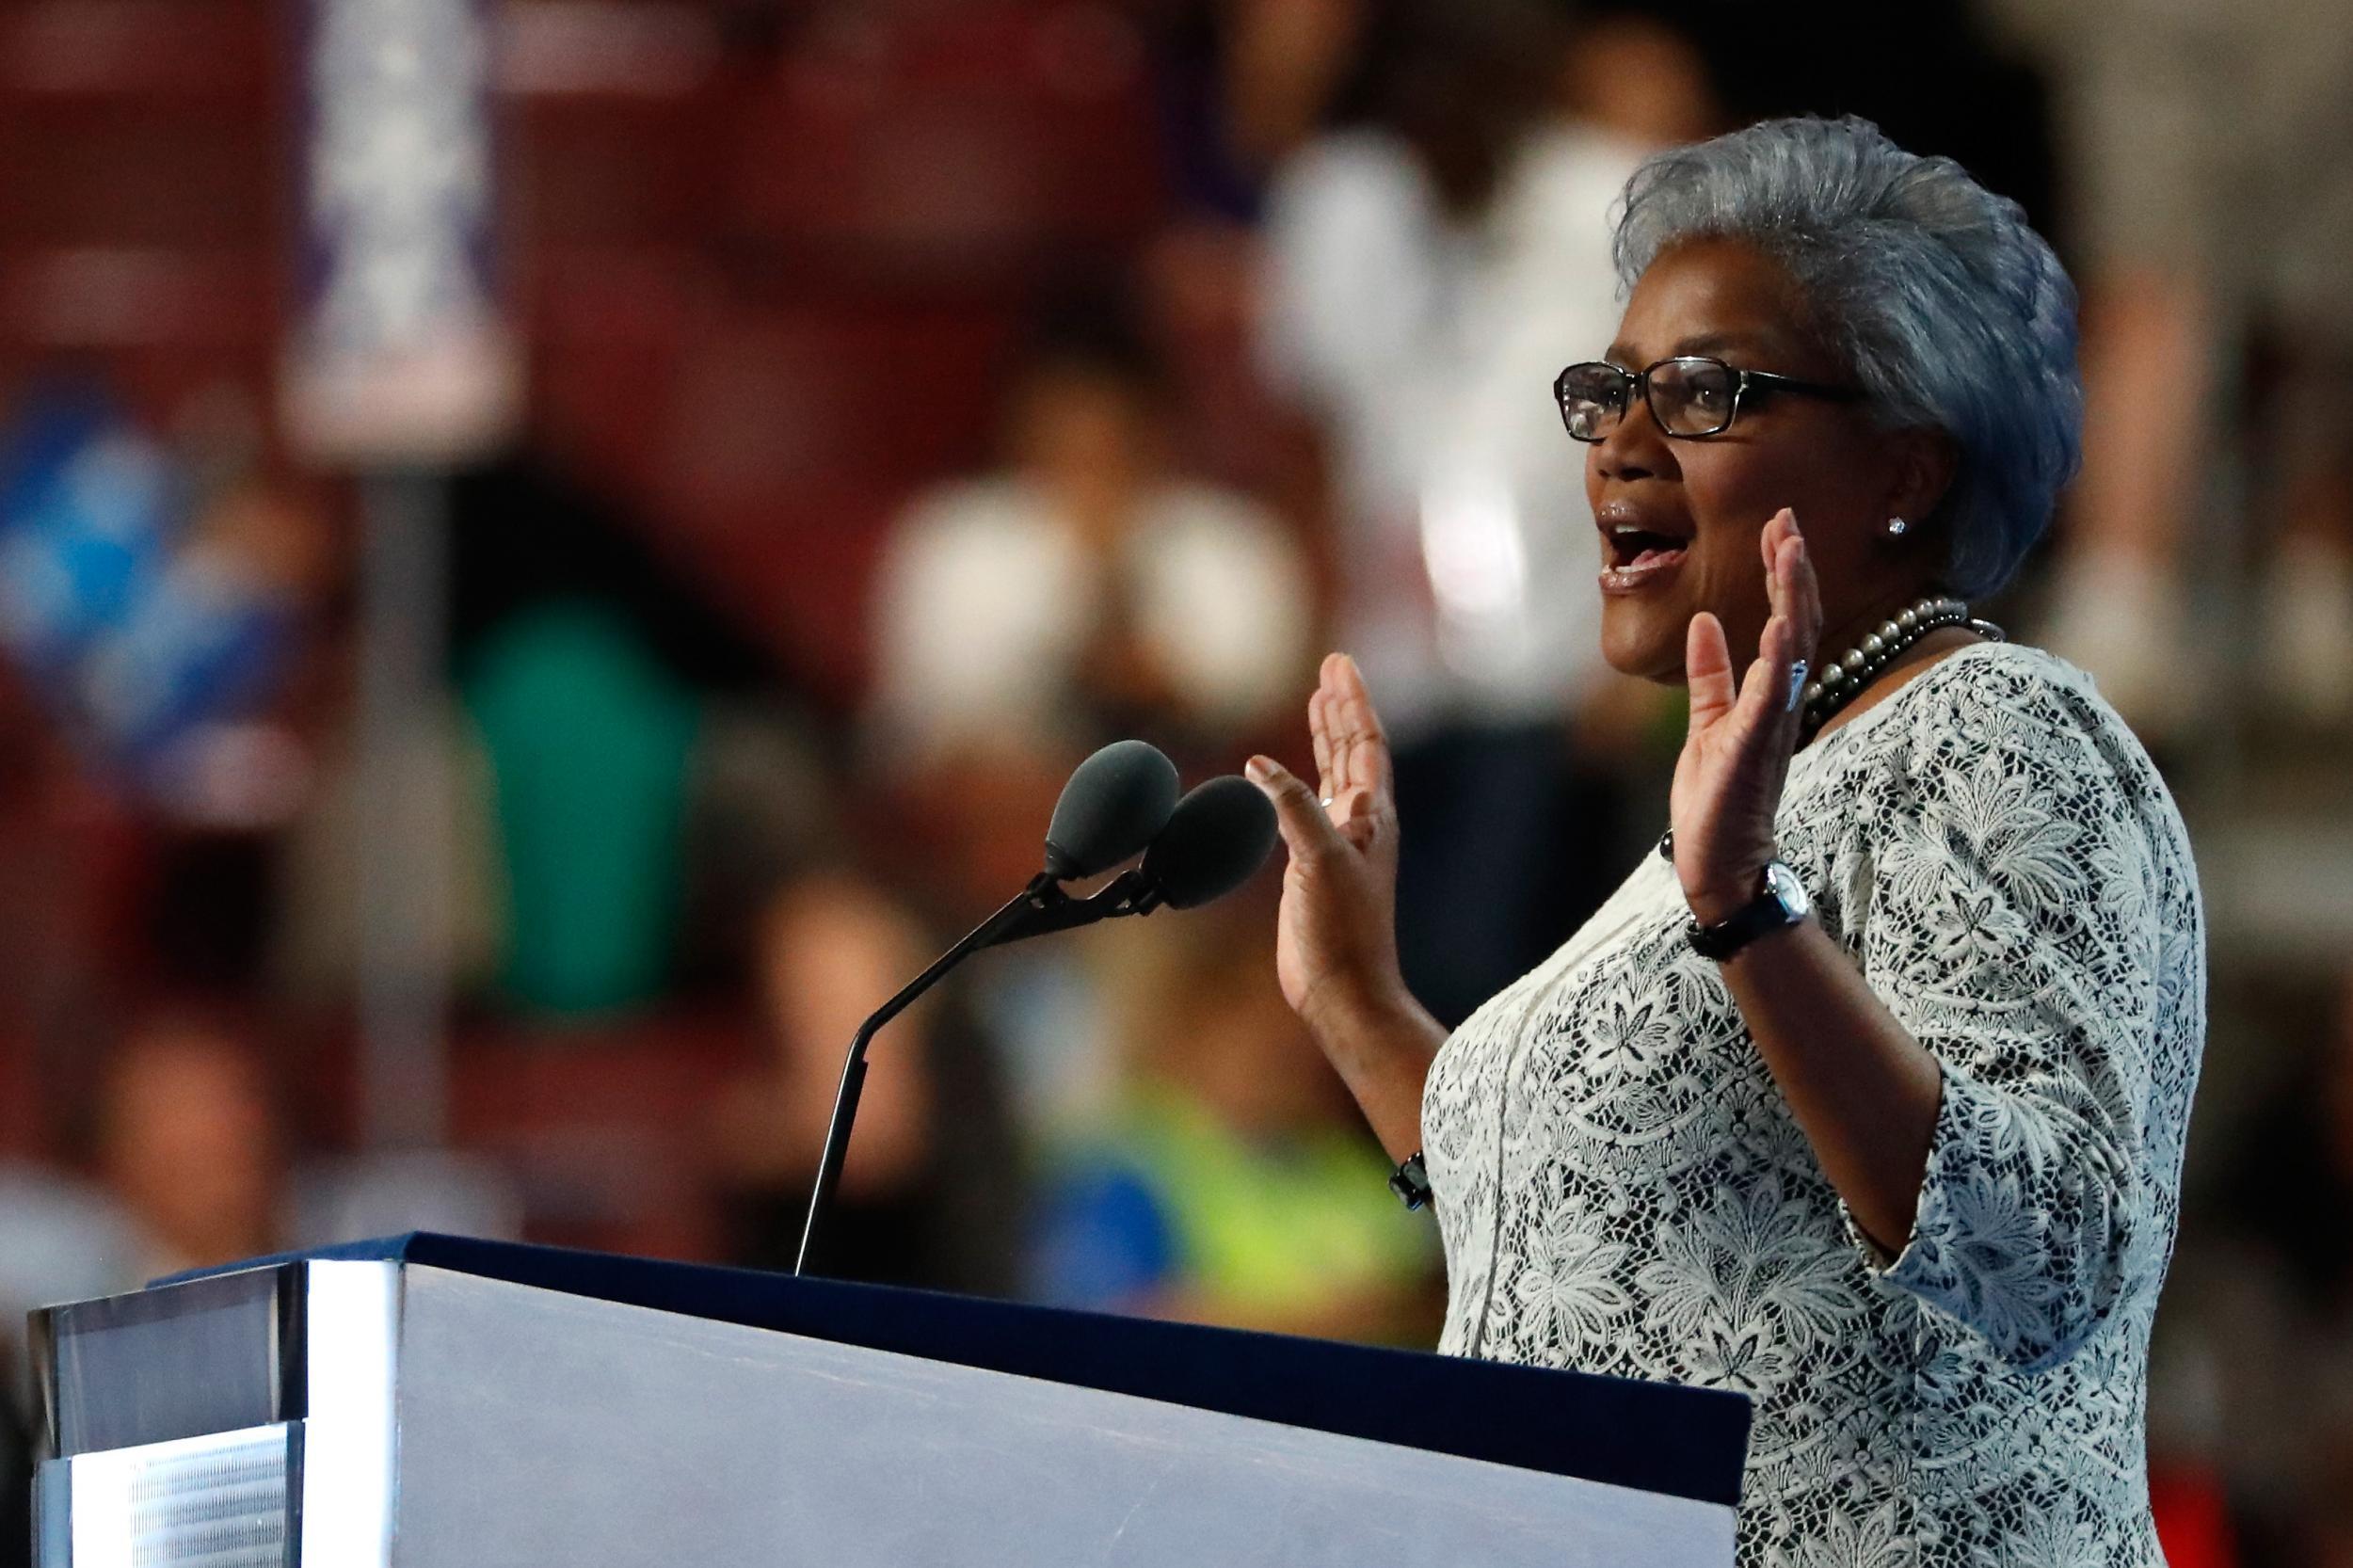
(1622, 1190)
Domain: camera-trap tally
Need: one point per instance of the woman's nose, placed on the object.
(1635, 448)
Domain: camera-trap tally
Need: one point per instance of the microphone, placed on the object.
(1215, 840)
(1217, 836)
(1115, 803)
(1121, 800)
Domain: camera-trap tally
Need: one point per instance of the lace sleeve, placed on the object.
(2014, 929)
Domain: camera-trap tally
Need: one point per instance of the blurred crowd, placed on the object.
(925, 393)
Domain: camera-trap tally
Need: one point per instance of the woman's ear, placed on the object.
(1926, 461)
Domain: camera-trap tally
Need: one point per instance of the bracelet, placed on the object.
(1411, 1182)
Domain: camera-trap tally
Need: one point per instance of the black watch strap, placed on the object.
(1410, 1181)
(1780, 902)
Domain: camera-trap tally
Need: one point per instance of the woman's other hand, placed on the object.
(1336, 938)
(1728, 781)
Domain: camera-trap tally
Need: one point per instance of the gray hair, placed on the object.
(1948, 307)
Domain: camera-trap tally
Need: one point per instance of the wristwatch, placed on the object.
(1781, 901)
(1411, 1182)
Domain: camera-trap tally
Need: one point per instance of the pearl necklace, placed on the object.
(1843, 677)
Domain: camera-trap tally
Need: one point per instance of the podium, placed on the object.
(434, 1401)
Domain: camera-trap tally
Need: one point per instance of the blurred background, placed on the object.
(553, 552)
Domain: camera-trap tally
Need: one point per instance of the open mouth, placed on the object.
(1633, 549)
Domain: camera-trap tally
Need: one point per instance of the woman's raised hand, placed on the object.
(1336, 938)
(1728, 780)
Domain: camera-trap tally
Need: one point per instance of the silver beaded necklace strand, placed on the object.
(1843, 677)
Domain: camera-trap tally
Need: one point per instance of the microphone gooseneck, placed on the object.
(853, 1067)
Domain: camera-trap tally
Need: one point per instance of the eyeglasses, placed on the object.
(1691, 397)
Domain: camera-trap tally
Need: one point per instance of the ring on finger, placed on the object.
(1797, 686)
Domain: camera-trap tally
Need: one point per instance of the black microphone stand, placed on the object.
(1037, 909)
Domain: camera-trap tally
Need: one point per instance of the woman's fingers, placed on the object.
(1780, 535)
(1360, 748)
(1335, 724)
(1806, 608)
(1802, 615)
(1319, 731)
(1769, 694)
(1707, 670)
(1352, 752)
(1307, 832)
(1791, 587)
(1765, 700)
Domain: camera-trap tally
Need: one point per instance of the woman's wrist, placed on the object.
(1728, 879)
(1348, 1009)
(1381, 1041)
(1719, 898)
(1376, 1036)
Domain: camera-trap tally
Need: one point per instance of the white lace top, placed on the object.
(1622, 1188)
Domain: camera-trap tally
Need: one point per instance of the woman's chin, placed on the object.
(1644, 646)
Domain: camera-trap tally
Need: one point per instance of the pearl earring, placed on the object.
(1897, 528)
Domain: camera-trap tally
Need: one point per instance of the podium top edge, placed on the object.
(1663, 1438)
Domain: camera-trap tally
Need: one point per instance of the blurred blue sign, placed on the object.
(135, 636)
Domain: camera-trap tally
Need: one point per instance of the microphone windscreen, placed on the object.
(1220, 834)
(1113, 806)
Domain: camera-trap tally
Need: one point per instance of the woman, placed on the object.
(1904, 1167)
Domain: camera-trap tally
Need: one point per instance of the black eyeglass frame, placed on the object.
(1742, 380)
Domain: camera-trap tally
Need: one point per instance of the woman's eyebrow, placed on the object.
(1703, 342)
(1717, 342)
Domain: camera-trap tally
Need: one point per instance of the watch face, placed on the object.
(1782, 885)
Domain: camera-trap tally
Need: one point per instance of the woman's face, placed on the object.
(1703, 504)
